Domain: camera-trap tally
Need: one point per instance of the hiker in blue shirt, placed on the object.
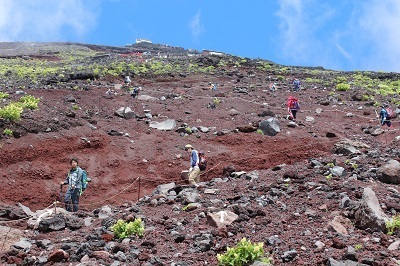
(194, 170)
(296, 85)
(384, 116)
(73, 180)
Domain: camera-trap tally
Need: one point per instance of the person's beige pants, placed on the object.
(194, 176)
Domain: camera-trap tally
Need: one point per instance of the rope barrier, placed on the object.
(103, 201)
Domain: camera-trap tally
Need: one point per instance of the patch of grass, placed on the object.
(393, 224)
(244, 253)
(3, 95)
(328, 177)
(123, 229)
(29, 102)
(216, 100)
(342, 87)
(12, 112)
(8, 132)
(184, 208)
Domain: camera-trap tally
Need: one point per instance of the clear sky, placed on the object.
(334, 34)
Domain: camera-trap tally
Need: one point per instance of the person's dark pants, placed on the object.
(294, 112)
(387, 122)
(72, 200)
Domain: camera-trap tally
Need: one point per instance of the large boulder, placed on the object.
(389, 173)
(270, 126)
(348, 147)
(168, 124)
(369, 213)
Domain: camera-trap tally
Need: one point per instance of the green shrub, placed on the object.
(75, 107)
(366, 97)
(8, 132)
(341, 79)
(330, 164)
(184, 208)
(245, 253)
(216, 100)
(329, 177)
(393, 224)
(259, 131)
(358, 247)
(342, 87)
(29, 102)
(3, 95)
(280, 78)
(123, 229)
(12, 112)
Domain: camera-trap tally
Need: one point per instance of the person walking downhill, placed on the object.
(194, 170)
(296, 85)
(384, 116)
(73, 180)
(293, 107)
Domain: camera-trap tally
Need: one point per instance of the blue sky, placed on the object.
(334, 34)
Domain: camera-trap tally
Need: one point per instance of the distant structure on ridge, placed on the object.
(211, 52)
(143, 41)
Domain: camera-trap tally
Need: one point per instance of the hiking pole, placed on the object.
(138, 195)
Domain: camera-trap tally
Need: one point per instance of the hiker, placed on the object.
(272, 87)
(296, 85)
(135, 91)
(127, 80)
(293, 107)
(73, 180)
(212, 86)
(194, 170)
(384, 116)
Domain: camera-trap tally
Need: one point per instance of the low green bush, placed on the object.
(8, 132)
(123, 229)
(12, 112)
(3, 95)
(342, 87)
(29, 102)
(245, 253)
(393, 224)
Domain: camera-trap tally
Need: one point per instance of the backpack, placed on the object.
(390, 113)
(202, 161)
(294, 105)
(84, 181)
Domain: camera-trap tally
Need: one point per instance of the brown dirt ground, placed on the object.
(32, 166)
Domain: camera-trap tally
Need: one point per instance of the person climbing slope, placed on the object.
(293, 107)
(194, 170)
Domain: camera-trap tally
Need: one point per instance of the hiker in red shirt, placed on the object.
(293, 107)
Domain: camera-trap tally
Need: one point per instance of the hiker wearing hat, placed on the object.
(384, 116)
(74, 186)
(194, 170)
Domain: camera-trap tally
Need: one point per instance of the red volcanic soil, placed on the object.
(131, 165)
(31, 167)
